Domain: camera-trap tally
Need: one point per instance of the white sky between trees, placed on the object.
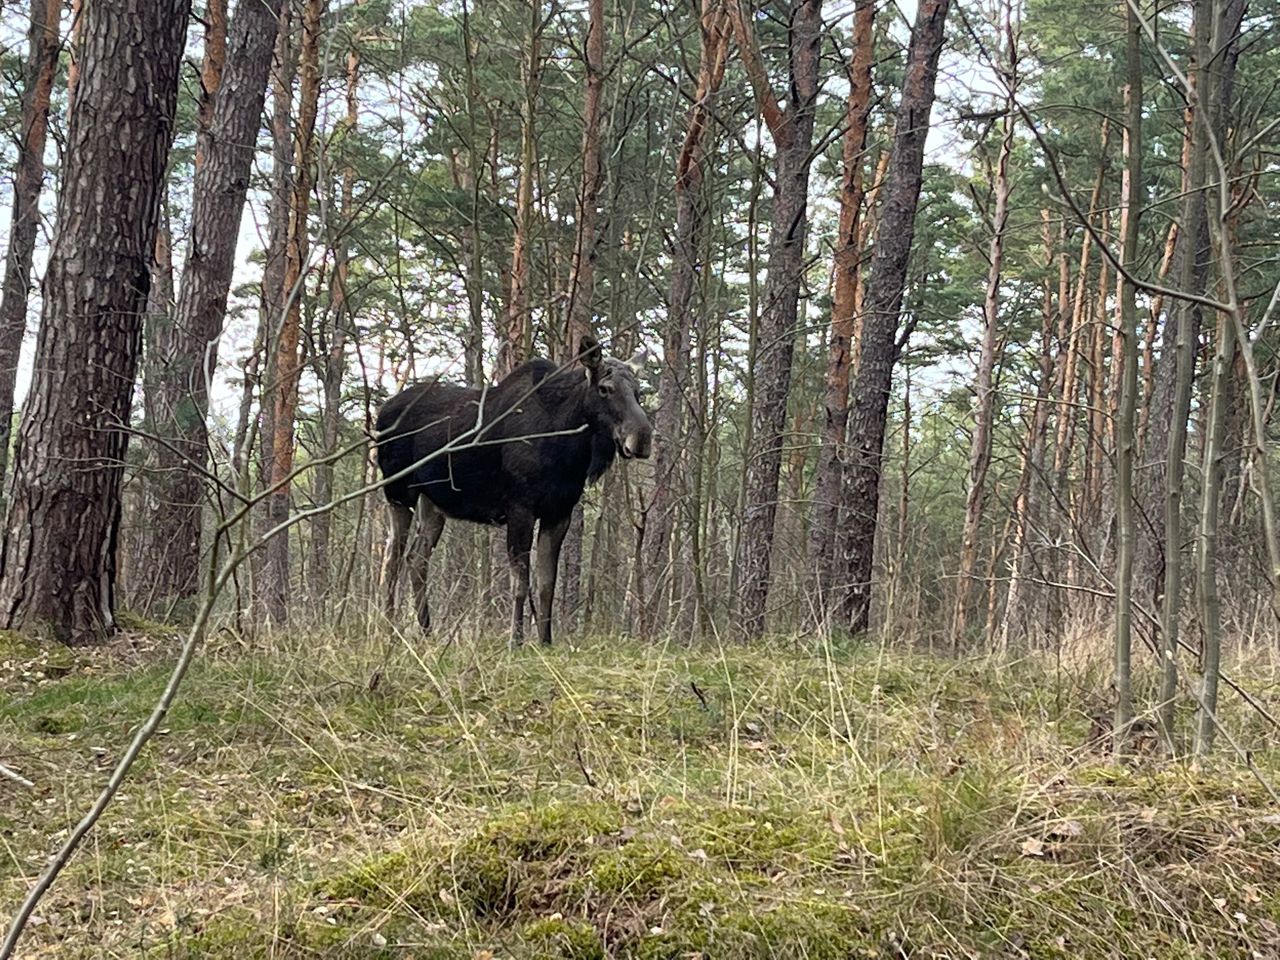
(960, 79)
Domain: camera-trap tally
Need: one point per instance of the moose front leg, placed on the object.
(519, 540)
(550, 538)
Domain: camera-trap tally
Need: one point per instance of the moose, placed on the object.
(515, 453)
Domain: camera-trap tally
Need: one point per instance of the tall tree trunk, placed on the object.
(1159, 557)
(582, 272)
(283, 73)
(1164, 440)
(58, 566)
(792, 132)
(1160, 553)
(514, 348)
(583, 269)
(1207, 537)
(1099, 426)
(1131, 200)
(288, 361)
(1025, 501)
(1216, 91)
(1076, 331)
(471, 235)
(42, 65)
(985, 399)
(182, 356)
(879, 340)
(1224, 228)
(847, 268)
(1153, 323)
(334, 342)
(686, 268)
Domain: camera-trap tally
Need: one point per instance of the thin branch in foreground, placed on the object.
(16, 777)
(216, 581)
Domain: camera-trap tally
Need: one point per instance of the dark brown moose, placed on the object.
(514, 453)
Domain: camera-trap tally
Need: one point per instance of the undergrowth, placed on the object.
(331, 796)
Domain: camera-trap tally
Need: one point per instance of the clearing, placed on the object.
(365, 797)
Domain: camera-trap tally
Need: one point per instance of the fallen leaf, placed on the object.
(1032, 847)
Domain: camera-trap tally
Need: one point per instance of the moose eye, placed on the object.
(605, 389)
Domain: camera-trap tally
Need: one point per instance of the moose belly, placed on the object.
(465, 488)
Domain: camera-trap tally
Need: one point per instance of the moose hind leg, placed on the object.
(519, 540)
(550, 538)
(430, 526)
(397, 539)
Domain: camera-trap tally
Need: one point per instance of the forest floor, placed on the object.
(336, 797)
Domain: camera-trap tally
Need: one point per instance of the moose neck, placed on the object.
(597, 442)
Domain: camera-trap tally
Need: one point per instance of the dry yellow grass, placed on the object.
(360, 796)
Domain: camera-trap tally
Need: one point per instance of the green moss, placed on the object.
(244, 939)
(56, 724)
(640, 869)
(221, 937)
(507, 864)
(29, 655)
(377, 881)
(17, 646)
(813, 929)
(133, 622)
(567, 939)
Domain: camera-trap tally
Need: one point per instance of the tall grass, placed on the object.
(368, 794)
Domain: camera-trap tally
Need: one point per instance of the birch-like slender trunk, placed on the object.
(985, 400)
(1131, 200)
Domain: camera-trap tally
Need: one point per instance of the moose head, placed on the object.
(613, 400)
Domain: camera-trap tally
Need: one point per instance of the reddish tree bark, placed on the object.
(517, 333)
(283, 73)
(582, 271)
(333, 344)
(42, 64)
(288, 361)
(848, 257)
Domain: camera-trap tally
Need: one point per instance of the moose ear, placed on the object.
(636, 363)
(589, 353)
